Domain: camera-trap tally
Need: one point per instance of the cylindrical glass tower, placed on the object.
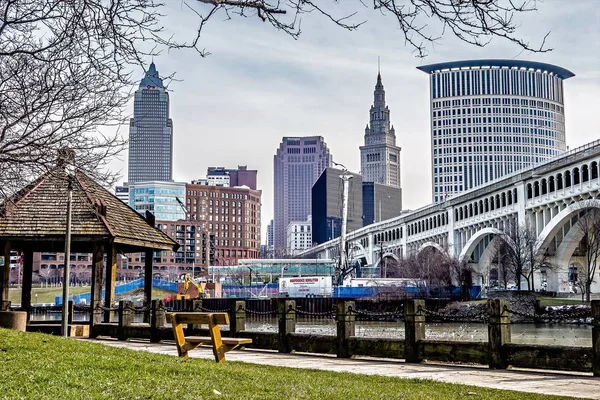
(490, 118)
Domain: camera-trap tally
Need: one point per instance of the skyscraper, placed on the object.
(327, 194)
(297, 164)
(380, 157)
(151, 132)
(490, 118)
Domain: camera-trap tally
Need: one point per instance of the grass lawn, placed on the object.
(557, 301)
(45, 367)
(47, 295)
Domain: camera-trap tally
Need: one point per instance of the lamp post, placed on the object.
(250, 281)
(66, 271)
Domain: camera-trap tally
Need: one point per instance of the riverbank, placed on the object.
(35, 366)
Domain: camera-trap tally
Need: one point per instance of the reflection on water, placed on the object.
(550, 334)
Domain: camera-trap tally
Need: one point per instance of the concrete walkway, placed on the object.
(550, 383)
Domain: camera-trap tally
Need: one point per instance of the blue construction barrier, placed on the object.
(85, 298)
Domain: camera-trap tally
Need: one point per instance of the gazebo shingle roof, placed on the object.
(38, 212)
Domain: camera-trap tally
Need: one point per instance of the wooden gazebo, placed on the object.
(35, 219)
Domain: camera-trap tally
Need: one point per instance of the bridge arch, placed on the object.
(433, 245)
(386, 255)
(557, 223)
(362, 253)
(469, 247)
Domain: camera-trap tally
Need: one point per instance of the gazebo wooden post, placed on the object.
(148, 283)
(149, 255)
(111, 280)
(27, 281)
(4, 274)
(96, 290)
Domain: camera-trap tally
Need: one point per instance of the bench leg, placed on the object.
(217, 341)
(182, 351)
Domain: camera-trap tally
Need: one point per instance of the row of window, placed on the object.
(563, 180)
(496, 82)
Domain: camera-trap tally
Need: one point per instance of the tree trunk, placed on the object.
(588, 290)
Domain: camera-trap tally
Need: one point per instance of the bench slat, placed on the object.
(207, 339)
(198, 318)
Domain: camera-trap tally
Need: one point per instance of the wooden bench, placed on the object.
(220, 345)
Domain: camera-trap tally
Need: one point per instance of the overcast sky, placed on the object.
(258, 85)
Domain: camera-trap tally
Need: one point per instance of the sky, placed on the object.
(258, 85)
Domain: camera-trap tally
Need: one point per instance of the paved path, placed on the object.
(555, 383)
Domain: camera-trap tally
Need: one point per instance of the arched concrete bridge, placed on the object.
(548, 197)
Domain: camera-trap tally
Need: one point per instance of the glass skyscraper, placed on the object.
(490, 118)
(297, 165)
(150, 132)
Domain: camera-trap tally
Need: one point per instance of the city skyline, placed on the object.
(322, 83)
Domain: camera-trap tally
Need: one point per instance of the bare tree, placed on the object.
(517, 256)
(589, 223)
(422, 23)
(502, 263)
(67, 67)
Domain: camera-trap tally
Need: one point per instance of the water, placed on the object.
(545, 334)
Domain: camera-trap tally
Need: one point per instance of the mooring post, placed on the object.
(346, 317)
(414, 329)
(237, 318)
(596, 337)
(498, 333)
(286, 310)
(125, 318)
(157, 319)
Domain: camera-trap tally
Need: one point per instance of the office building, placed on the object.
(297, 164)
(150, 132)
(270, 235)
(163, 199)
(299, 236)
(217, 176)
(380, 157)
(122, 193)
(240, 176)
(327, 205)
(231, 216)
(380, 202)
(490, 118)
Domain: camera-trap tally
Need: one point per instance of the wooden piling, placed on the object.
(346, 316)
(414, 329)
(286, 310)
(125, 318)
(237, 318)
(157, 320)
(498, 333)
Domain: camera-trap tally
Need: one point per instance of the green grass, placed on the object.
(557, 301)
(47, 295)
(46, 367)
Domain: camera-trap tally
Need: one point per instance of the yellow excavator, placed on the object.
(187, 281)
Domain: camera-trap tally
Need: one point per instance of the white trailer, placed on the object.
(306, 286)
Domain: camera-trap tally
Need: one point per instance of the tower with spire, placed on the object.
(380, 157)
(150, 132)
